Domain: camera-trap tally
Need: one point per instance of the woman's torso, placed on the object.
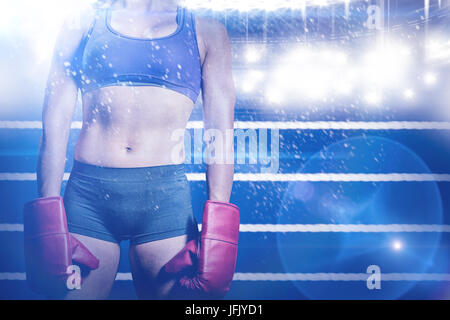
(138, 93)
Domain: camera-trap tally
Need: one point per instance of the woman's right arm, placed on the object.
(59, 105)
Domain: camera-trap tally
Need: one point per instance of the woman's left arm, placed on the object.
(216, 248)
(219, 97)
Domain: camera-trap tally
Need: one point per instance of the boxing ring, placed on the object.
(341, 197)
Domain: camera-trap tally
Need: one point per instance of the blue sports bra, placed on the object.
(109, 58)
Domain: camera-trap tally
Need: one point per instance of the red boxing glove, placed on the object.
(216, 258)
(49, 248)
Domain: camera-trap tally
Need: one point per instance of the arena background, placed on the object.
(353, 100)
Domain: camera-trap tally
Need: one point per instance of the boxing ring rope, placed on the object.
(283, 125)
(339, 277)
(313, 228)
(238, 276)
(287, 177)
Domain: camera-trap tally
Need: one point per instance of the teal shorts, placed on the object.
(136, 204)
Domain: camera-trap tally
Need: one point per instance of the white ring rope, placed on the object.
(288, 177)
(339, 277)
(340, 177)
(343, 228)
(315, 228)
(290, 276)
(283, 125)
(343, 125)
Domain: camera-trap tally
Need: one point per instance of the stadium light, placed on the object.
(397, 245)
(252, 80)
(275, 95)
(430, 78)
(314, 73)
(38, 22)
(438, 49)
(387, 65)
(373, 98)
(408, 93)
(253, 54)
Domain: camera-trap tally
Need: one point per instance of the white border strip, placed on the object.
(315, 228)
(126, 276)
(288, 177)
(283, 125)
